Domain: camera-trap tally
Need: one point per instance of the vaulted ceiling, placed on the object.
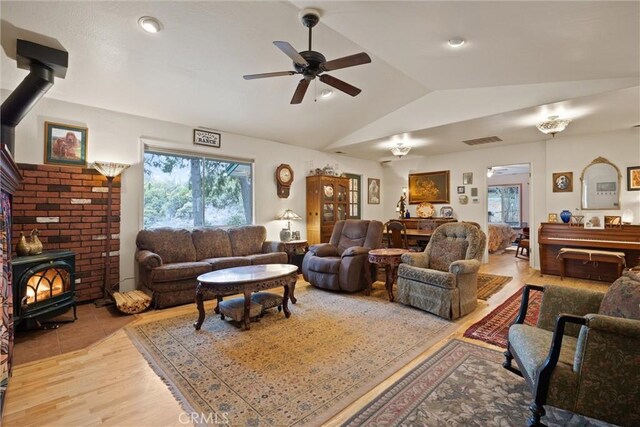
(521, 62)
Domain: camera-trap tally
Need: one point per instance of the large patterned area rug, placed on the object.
(489, 284)
(460, 385)
(283, 372)
(494, 327)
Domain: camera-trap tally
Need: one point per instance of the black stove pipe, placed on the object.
(44, 64)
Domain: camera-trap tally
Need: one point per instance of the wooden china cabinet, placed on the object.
(327, 202)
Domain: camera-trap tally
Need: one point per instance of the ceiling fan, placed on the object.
(312, 64)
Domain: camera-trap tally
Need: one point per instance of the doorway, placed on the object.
(508, 207)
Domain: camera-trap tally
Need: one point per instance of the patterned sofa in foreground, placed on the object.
(170, 259)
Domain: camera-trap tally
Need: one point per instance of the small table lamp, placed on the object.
(288, 215)
(110, 170)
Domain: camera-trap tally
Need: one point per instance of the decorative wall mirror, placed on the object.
(600, 185)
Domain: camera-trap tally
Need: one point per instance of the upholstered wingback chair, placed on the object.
(443, 279)
(340, 264)
(583, 355)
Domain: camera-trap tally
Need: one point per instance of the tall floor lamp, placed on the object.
(110, 170)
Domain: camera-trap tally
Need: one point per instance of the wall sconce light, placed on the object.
(489, 172)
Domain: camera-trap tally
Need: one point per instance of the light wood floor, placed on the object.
(110, 383)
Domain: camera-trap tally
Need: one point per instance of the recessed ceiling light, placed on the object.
(456, 42)
(150, 24)
(325, 93)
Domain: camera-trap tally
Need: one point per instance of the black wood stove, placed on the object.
(43, 287)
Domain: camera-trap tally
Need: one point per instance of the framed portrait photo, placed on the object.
(460, 189)
(467, 178)
(594, 220)
(562, 182)
(65, 144)
(633, 178)
(373, 191)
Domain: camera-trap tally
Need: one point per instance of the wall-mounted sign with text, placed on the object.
(205, 137)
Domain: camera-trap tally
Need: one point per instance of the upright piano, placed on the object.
(554, 236)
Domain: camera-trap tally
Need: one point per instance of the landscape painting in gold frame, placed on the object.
(432, 187)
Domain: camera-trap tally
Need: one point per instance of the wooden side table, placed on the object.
(295, 247)
(389, 259)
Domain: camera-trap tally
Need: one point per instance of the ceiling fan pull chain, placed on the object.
(315, 90)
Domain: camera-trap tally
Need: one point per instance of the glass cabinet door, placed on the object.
(327, 192)
(342, 193)
(342, 211)
(328, 214)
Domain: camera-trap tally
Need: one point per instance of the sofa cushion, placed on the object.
(172, 244)
(179, 271)
(227, 262)
(247, 240)
(211, 243)
(445, 252)
(272, 258)
(622, 299)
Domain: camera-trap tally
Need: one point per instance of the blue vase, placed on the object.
(565, 216)
(407, 215)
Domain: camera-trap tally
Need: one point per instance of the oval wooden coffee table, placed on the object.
(246, 280)
(390, 260)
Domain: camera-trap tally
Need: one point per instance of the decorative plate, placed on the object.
(446, 211)
(425, 210)
(328, 191)
(463, 199)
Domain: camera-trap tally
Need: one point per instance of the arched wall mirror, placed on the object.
(600, 185)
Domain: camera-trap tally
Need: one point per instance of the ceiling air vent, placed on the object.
(485, 140)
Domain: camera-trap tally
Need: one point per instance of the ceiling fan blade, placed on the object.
(340, 85)
(291, 52)
(263, 75)
(300, 91)
(347, 61)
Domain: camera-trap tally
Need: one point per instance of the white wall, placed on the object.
(117, 137)
(560, 154)
(622, 148)
(519, 178)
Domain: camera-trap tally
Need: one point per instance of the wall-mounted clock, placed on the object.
(284, 178)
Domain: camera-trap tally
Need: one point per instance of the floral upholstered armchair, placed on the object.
(340, 264)
(584, 353)
(443, 279)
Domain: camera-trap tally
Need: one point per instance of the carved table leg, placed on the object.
(390, 270)
(367, 277)
(285, 300)
(200, 305)
(217, 309)
(247, 309)
(292, 291)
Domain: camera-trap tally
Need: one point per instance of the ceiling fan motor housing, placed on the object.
(309, 17)
(314, 59)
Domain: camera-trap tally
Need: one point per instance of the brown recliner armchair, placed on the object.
(340, 264)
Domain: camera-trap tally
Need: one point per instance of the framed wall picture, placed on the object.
(373, 191)
(562, 182)
(633, 178)
(467, 178)
(205, 137)
(65, 144)
(460, 189)
(432, 187)
(553, 217)
(612, 221)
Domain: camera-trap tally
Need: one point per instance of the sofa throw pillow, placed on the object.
(622, 299)
(445, 252)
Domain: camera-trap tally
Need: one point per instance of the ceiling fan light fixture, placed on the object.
(150, 24)
(456, 42)
(553, 125)
(400, 150)
(326, 93)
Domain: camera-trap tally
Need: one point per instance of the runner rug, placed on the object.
(494, 327)
(461, 385)
(489, 284)
(283, 372)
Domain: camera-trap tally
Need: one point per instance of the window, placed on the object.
(354, 195)
(505, 204)
(190, 191)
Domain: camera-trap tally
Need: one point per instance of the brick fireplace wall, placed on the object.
(68, 205)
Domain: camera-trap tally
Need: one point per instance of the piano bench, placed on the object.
(591, 255)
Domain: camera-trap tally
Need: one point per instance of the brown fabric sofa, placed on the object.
(170, 259)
